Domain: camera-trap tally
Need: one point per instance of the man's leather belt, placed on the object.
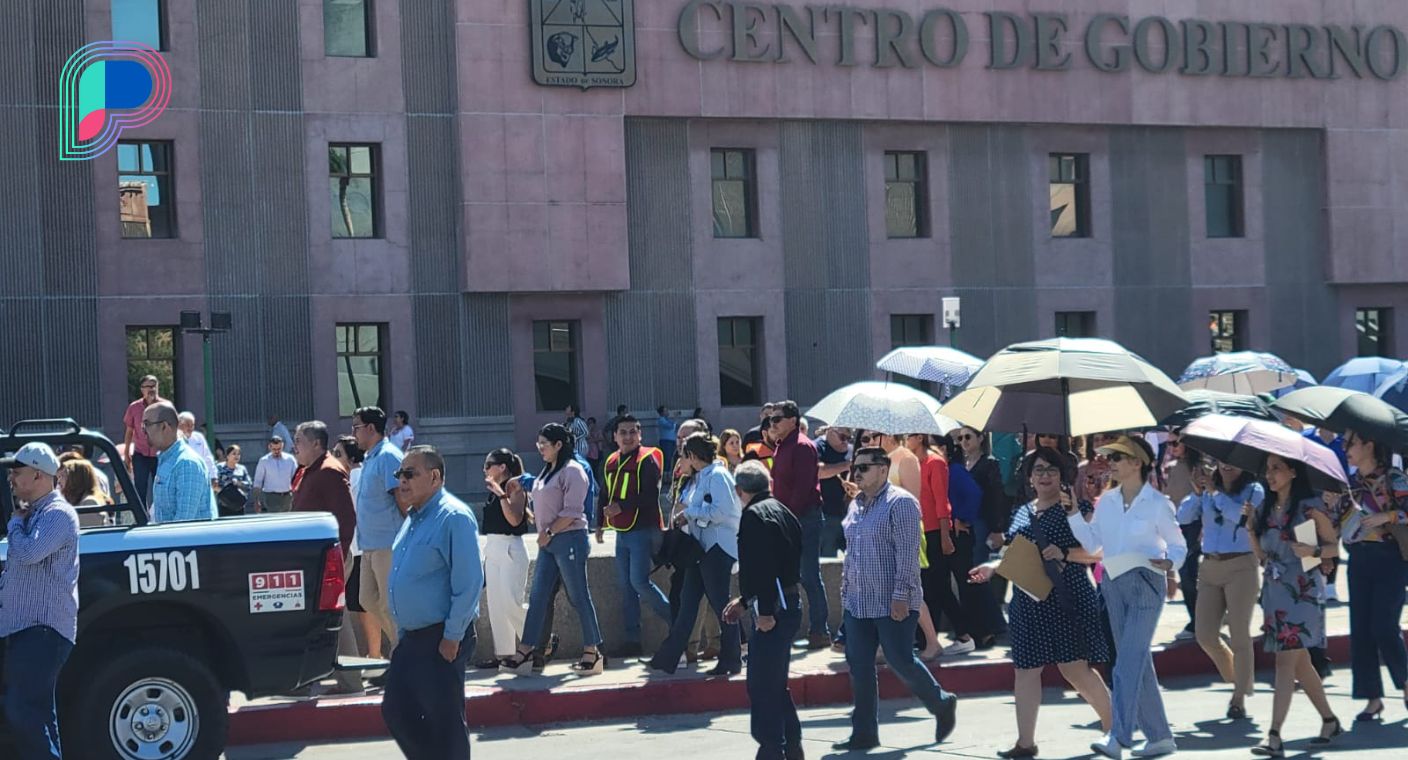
(1225, 557)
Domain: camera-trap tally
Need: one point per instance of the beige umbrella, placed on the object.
(1070, 386)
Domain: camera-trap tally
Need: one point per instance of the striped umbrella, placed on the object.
(936, 364)
(1250, 372)
(1364, 373)
(888, 408)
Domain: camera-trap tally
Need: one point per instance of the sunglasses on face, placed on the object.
(964, 437)
(405, 473)
(861, 469)
(1114, 457)
(776, 418)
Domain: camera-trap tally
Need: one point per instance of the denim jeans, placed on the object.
(33, 659)
(812, 524)
(1375, 606)
(896, 639)
(833, 536)
(1136, 600)
(565, 559)
(143, 473)
(423, 706)
(711, 576)
(773, 715)
(633, 564)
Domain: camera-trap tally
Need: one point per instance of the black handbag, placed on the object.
(231, 500)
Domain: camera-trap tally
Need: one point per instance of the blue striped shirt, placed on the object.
(40, 582)
(435, 572)
(182, 490)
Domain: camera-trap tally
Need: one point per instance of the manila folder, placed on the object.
(1022, 564)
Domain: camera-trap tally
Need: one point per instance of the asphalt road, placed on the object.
(985, 725)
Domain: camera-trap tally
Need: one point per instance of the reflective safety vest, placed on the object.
(623, 481)
(761, 452)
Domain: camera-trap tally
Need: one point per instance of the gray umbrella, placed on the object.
(1070, 386)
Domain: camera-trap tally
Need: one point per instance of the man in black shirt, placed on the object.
(769, 568)
(833, 452)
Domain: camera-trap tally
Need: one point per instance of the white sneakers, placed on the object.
(1156, 749)
(960, 647)
(1108, 746)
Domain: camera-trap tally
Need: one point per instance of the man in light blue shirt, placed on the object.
(434, 596)
(182, 490)
(378, 517)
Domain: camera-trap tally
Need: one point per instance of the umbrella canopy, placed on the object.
(1070, 386)
(1245, 443)
(1341, 409)
(1394, 390)
(936, 364)
(1364, 373)
(888, 408)
(1238, 372)
(1203, 403)
(1304, 380)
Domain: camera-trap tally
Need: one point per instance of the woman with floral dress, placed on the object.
(1292, 598)
(1064, 629)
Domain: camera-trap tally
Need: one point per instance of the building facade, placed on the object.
(477, 210)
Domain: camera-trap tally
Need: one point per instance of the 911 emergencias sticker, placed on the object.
(276, 592)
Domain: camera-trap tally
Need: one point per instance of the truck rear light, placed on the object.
(333, 596)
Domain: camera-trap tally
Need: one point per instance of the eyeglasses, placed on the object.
(1042, 472)
(149, 387)
(359, 425)
(147, 424)
(405, 473)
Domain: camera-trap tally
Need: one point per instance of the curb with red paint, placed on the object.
(314, 721)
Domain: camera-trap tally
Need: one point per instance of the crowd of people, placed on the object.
(1121, 521)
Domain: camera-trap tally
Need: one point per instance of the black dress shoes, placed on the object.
(947, 718)
(856, 745)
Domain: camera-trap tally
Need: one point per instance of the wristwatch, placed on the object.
(1319, 550)
(549, 532)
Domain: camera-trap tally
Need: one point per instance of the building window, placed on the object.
(347, 28)
(361, 367)
(352, 186)
(146, 205)
(1222, 184)
(1075, 324)
(740, 357)
(735, 193)
(906, 195)
(1374, 328)
(1070, 195)
(555, 365)
(140, 21)
(1229, 331)
(912, 330)
(153, 351)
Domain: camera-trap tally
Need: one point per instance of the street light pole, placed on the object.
(192, 324)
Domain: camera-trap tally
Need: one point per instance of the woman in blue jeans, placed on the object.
(709, 511)
(558, 497)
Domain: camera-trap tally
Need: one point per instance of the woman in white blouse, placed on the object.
(1136, 529)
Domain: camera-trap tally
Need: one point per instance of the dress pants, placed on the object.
(711, 576)
(1229, 587)
(506, 587)
(1376, 577)
(896, 639)
(424, 701)
(1135, 601)
(33, 658)
(773, 715)
(972, 610)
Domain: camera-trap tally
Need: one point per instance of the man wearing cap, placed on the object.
(273, 478)
(182, 491)
(38, 599)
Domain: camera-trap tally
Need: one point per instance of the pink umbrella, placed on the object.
(1244, 443)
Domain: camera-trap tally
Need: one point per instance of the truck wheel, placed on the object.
(151, 704)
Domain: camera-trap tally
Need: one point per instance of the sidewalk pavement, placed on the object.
(625, 690)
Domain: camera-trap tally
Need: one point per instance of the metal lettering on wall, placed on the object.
(583, 43)
(743, 31)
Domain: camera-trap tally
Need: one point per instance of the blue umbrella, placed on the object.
(1394, 389)
(1245, 372)
(1365, 373)
(1303, 380)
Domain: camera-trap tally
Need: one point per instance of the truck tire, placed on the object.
(149, 704)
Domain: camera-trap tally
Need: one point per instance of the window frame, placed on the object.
(165, 182)
(920, 191)
(1238, 335)
(900, 336)
(1236, 195)
(169, 390)
(375, 176)
(163, 31)
(1088, 319)
(574, 351)
(351, 350)
(750, 191)
(369, 25)
(1080, 180)
(755, 349)
(1384, 317)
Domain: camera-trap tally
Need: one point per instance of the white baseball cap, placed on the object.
(36, 455)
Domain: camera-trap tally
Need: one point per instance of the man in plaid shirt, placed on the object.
(38, 599)
(182, 490)
(881, 593)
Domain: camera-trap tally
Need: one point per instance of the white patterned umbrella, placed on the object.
(936, 364)
(1246, 372)
(888, 408)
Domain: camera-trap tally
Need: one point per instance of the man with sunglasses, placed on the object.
(796, 484)
(433, 593)
(881, 594)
